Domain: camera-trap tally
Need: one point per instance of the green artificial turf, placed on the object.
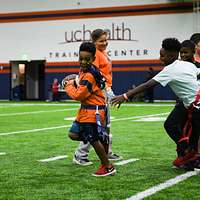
(22, 176)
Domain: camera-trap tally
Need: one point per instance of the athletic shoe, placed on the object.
(193, 164)
(182, 160)
(105, 171)
(114, 157)
(197, 165)
(83, 162)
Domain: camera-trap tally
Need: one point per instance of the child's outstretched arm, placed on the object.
(124, 97)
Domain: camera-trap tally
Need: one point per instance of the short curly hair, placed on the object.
(188, 44)
(89, 47)
(171, 44)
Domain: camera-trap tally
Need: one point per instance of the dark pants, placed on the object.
(55, 96)
(174, 127)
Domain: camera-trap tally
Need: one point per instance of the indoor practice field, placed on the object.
(36, 155)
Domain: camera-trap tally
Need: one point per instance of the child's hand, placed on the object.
(68, 78)
(117, 101)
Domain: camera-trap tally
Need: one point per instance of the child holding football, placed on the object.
(89, 125)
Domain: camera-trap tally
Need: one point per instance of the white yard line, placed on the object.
(147, 105)
(2, 153)
(124, 162)
(138, 117)
(162, 186)
(34, 130)
(65, 126)
(53, 158)
(4, 105)
(36, 112)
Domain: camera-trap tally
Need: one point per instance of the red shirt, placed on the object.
(55, 87)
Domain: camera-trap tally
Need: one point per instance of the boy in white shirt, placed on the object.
(181, 77)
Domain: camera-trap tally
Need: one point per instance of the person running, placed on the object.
(181, 77)
(90, 120)
(102, 62)
(178, 116)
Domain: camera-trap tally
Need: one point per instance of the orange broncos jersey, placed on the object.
(105, 66)
(88, 93)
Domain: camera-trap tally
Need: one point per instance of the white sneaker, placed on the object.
(83, 162)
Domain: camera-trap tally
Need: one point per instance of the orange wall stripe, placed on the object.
(54, 70)
(5, 64)
(153, 9)
(5, 71)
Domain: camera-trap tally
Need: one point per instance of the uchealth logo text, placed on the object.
(115, 33)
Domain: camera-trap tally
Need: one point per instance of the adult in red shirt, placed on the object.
(55, 88)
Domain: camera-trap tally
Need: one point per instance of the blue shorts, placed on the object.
(87, 131)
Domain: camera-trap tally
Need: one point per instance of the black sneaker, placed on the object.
(197, 165)
(114, 157)
(83, 162)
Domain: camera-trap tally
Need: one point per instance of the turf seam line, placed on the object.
(124, 162)
(138, 117)
(34, 130)
(53, 158)
(2, 153)
(35, 112)
(161, 186)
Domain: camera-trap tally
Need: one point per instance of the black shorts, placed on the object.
(87, 131)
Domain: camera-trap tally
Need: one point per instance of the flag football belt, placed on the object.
(187, 130)
(93, 107)
(101, 129)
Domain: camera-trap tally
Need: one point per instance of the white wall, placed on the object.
(37, 40)
(46, 39)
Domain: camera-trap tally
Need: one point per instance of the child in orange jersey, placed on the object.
(90, 120)
(102, 62)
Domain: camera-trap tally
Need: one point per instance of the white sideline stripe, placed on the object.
(34, 130)
(3, 105)
(124, 162)
(65, 126)
(159, 187)
(77, 104)
(147, 105)
(35, 112)
(138, 117)
(53, 158)
(2, 153)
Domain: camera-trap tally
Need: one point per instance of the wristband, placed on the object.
(125, 96)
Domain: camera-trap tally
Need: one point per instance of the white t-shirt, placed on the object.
(181, 77)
